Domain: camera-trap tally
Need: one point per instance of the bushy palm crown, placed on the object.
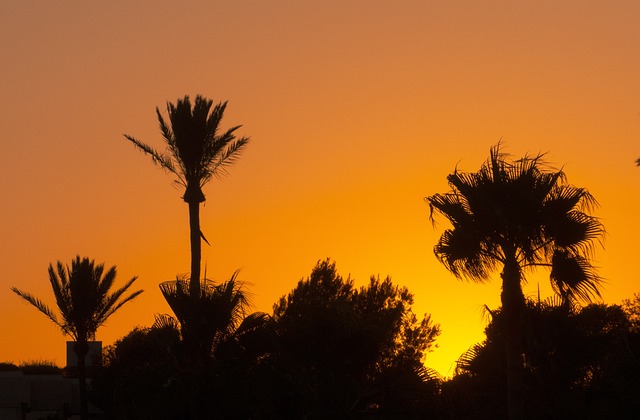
(519, 210)
(212, 318)
(82, 296)
(197, 150)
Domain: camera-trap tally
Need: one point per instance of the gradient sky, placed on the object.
(357, 110)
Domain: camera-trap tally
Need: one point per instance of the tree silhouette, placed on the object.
(212, 329)
(139, 376)
(152, 374)
(83, 299)
(518, 215)
(330, 350)
(632, 309)
(197, 150)
(211, 319)
(348, 351)
(579, 365)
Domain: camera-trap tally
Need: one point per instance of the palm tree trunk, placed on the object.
(196, 248)
(512, 307)
(81, 348)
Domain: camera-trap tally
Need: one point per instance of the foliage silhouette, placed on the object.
(353, 352)
(40, 367)
(153, 374)
(518, 215)
(196, 151)
(212, 329)
(578, 365)
(330, 350)
(83, 297)
(632, 308)
(140, 377)
(210, 319)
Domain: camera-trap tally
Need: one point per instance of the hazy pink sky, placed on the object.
(356, 109)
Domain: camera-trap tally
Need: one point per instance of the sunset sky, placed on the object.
(356, 111)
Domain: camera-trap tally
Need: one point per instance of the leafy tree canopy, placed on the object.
(579, 362)
(333, 321)
(354, 350)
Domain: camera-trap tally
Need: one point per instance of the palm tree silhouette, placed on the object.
(83, 299)
(211, 319)
(210, 328)
(196, 151)
(518, 215)
(579, 362)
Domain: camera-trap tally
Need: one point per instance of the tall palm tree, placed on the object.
(83, 299)
(196, 151)
(518, 215)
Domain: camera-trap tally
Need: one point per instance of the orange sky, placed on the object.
(356, 110)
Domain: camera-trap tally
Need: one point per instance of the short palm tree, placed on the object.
(83, 299)
(210, 327)
(211, 319)
(518, 215)
(197, 150)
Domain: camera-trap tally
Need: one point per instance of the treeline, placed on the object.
(331, 350)
(328, 350)
(579, 362)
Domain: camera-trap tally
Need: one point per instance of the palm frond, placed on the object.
(115, 301)
(42, 307)
(165, 321)
(451, 206)
(104, 283)
(565, 198)
(227, 157)
(214, 119)
(573, 277)
(466, 361)
(81, 293)
(464, 254)
(252, 322)
(176, 293)
(158, 158)
(60, 287)
(166, 131)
